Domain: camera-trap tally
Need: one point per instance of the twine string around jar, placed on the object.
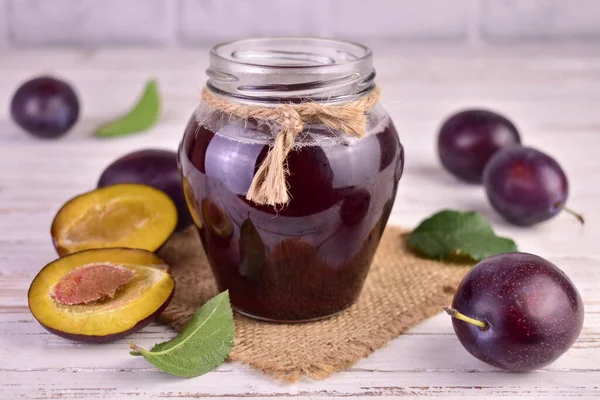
(269, 184)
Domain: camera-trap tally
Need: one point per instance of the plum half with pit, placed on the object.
(469, 138)
(46, 107)
(516, 311)
(100, 295)
(154, 167)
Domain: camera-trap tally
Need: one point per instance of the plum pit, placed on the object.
(91, 283)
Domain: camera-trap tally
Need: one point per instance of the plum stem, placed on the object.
(570, 211)
(455, 314)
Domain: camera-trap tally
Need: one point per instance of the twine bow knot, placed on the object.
(269, 185)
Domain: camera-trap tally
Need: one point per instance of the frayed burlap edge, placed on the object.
(342, 359)
(401, 291)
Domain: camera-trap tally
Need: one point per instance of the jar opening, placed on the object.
(291, 69)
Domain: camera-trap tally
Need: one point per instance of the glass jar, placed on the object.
(309, 258)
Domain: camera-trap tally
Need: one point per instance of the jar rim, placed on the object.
(217, 50)
(291, 69)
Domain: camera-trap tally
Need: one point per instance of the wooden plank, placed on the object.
(25, 340)
(149, 384)
(552, 95)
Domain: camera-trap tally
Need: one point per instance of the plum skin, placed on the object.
(154, 167)
(469, 138)
(45, 107)
(355, 206)
(533, 311)
(525, 186)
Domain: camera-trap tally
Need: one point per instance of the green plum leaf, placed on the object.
(201, 346)
(455, 235)
(142, 117)
(252, 250)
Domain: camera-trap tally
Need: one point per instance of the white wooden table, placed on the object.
(553, 95)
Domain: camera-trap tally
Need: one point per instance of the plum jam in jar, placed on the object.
(307, 258)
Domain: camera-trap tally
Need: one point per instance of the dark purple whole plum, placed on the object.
(355, 207)
(153, 167)
(526, 186)
(45, 107)
(528, 311)
(469, 138)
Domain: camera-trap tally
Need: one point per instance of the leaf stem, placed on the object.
(455, 314)
(570, 211)
(135, 347)
(189, 334)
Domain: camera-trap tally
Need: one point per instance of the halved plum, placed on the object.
(191, 203)
(216, 220)
(124, 215)
(153, 167)
(100, 295)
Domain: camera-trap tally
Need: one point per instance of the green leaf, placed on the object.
(252, 251)
(142, 117)
(201, 346)
(455, 235)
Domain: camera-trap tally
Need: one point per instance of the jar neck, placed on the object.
(275, 70)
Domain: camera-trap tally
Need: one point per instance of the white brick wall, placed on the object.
(405, 20)
(540, 20)
(393, 19)
(201, 21)
(27, 23)
(87, 22)
(4, 43)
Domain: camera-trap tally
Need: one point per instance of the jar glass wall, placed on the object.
(307, 259)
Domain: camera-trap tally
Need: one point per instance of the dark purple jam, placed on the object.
(306, 260)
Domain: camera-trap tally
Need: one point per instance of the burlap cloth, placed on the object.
(400, 291)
